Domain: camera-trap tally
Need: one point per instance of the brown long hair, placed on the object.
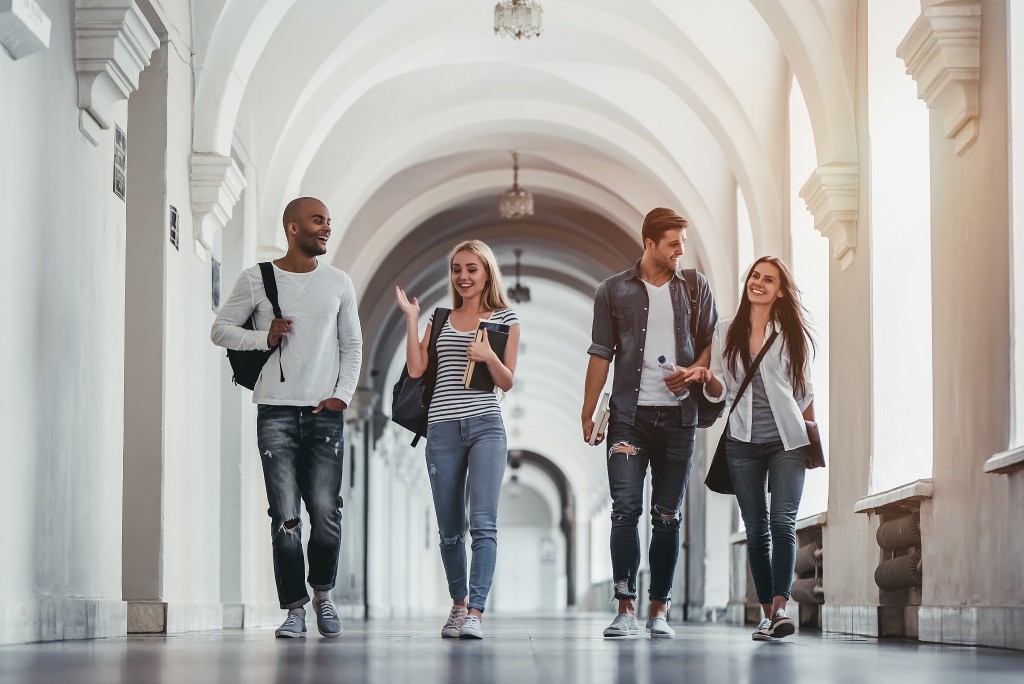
(493, 296)
(788, 312)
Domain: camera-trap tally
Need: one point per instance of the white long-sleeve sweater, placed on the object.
(321, 354)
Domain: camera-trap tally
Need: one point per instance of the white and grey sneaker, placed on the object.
(660, 629)
(453, 627)
(782, 625)
(293, 627)
(623, 625)
(471, 628)
(327, 620)
(763, 631)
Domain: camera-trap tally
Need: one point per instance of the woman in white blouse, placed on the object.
(766, 433)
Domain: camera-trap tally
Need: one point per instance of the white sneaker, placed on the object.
(782, 625)
(763, 631)
(453, 627)
(660, 629)
(471, 628)
(623, 625)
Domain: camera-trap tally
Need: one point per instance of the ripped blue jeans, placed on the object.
(657, 438)
(303, 459)
(469, 451)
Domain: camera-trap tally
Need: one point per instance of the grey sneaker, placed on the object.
(327, 620)
(453, 627)
(763, 631)
(471, 628)
(660, 629)
(624, 624)
(293, 627)
(782, 625)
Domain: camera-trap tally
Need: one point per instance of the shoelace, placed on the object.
(291, 621)
(765, 624)
(471, 621)
(326, 610)
(454, 618)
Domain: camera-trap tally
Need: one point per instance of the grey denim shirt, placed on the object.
(620, 332)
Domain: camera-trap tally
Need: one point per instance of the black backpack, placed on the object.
(410, 397)
(246, 366)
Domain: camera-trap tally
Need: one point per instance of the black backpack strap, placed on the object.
(690, 274)
(750, 371)
(430, 374)
(270, 287)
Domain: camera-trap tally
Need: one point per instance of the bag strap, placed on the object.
(270, 287)
(430, 374)
(691, 294)
(750, 371)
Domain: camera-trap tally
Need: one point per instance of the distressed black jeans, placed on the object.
(656, 438)
(303, 459)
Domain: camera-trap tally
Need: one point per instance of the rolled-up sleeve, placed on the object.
(350, 345)
(602, 336)
(227, 330)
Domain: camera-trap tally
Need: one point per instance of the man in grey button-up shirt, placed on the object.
(653, 418)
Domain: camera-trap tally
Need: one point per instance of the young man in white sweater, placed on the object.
(307, 384)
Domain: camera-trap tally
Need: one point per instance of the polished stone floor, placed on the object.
(557, 650)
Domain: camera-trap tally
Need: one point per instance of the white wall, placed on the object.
(61, 362)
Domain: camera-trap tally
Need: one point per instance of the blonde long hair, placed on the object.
(493, 296)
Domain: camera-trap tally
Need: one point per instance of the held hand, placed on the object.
(676, 381)
(408, 308)
(332, 404)
(588, 429)
(279, 327)
(699, 374)
(481, 351)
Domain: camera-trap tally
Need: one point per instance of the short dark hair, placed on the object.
(660, 220)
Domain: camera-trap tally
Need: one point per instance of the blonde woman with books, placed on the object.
(466, 441)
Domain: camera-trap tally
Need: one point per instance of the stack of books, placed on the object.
(476, 375)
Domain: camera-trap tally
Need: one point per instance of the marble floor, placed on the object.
(518, 650)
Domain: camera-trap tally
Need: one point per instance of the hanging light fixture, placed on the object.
(515, 203)
(518, 18)
(520, 294)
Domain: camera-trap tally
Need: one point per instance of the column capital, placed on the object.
(113, 44)
(831, 194)
(942, 52)
(217, 184)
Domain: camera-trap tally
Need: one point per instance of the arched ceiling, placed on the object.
(401, 115)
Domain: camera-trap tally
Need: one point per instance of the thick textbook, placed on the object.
(476, 375)
(601, 418)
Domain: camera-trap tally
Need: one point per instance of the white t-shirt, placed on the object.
(451, 400)
(321, 354)
(660, 341)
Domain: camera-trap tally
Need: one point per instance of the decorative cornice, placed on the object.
(24, 28)
(831, 197)
(1006, 462)
(113, 43)
(942, 52)
(908, 495)
(217, 184)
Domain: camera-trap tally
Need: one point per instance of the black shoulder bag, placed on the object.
(246, 366)
(410, 398)
(707, 411)
(718, 479)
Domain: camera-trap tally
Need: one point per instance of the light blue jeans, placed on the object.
(469, 451)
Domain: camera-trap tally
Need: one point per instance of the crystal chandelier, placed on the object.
(515, 203)
(518, 18)
(520, 294)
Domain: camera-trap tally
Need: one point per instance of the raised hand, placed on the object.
(408, 308)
